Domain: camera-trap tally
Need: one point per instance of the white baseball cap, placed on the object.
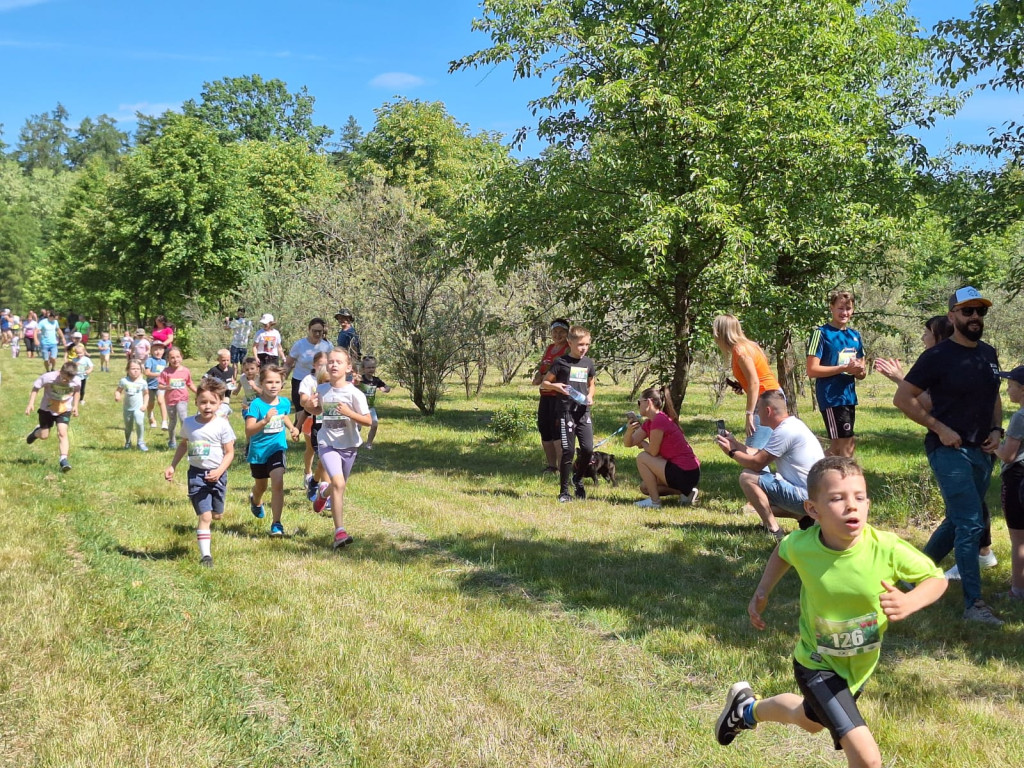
(267, 319)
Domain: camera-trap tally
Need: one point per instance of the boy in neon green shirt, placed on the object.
(847, 599)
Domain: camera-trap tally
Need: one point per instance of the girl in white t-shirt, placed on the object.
(311, 426)
(344, 409)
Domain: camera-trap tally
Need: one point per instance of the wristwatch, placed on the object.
(1000, 430)
(732, 453)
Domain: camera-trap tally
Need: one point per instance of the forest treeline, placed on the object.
(698, 157)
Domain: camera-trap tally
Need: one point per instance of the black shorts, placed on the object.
(828, 701)
(839, 421)
(268, 359)
(295, 395)
(682, 480)
(1013, 504)
(262, 471)
(47, 419)
(30, 343)
(314, 433)
(547, 419)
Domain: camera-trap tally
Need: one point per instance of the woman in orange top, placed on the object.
(751, 369)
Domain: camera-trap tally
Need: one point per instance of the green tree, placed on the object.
(700, 152)
(251, 108)
(97, 138)
(43, 141)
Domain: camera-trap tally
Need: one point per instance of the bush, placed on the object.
(510, 422)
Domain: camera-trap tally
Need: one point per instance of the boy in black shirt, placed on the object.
(572, 377)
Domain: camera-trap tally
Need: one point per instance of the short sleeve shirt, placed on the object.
(369, 387)
(795, 449)
(963, 383)
(240, 327)
(175, 384)
(834, 346)
(674, 447)
(206, 441)
(268, 342)
(577, 372)
(1016, 430)
(85, 366)
(134, 392)
(841, 619)
(104, 346)
(225, 376)
(552, 353)
(274, 436)
(339, 431)
(140, 348)
(58, 397)
(155, 365)
(48, 331)
(248, 393)
(303, 352)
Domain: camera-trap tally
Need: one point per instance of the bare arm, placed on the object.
(747, 457)
(897, 604)
(907, 399)
(774, 570)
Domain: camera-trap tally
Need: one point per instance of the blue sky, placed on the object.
(116, 57)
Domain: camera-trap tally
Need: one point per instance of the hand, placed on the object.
(28, 411)
(294, 433)
(271, 413)
(756, 607)
(725, 442)
(212, 475)
(314, 400)
(74, 411)
(890, 367)
(734, 386)
(991, 442)
(894, 602)
(949, 437)
(751, 427)
(169, 474)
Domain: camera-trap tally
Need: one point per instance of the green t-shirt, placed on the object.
(841, 619)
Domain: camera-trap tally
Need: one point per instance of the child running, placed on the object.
(847, 570)
(265, 423)
(104, 346)
(307, 388)
(85, 367)
(60, 402)
(343, 408)
(152, 369)
(210, 443)
(175, 381)
(370, 385)
(135, 390)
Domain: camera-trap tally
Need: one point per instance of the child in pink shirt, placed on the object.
(175, 382)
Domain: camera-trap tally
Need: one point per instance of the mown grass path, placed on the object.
(475, 622)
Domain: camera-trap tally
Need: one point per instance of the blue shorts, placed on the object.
(781, 493)
(48, 351)
(206, 497)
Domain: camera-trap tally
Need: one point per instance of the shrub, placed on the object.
(510, 422)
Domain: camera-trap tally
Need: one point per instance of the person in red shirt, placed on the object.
(666, 462)
(547, 410)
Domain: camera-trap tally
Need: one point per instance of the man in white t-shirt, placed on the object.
(793, 448)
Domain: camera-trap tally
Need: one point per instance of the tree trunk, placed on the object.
(787, 372)
(682, 356)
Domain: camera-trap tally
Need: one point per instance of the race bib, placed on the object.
(846, 356)
(332, 415)
(199, 449)
(577, 374)
(176, 384)
(847, 638)
(275, 425)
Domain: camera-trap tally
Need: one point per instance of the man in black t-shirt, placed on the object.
(572, 377)
(961, 375)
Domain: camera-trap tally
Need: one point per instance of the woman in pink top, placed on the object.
(163, 332)
(666, 462)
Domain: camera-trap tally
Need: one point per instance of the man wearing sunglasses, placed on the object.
(961, 374)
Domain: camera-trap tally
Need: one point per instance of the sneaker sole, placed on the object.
(735, 692)
(343, 543)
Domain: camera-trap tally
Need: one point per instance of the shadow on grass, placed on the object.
(171, 553)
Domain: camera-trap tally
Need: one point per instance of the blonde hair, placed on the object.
(727, 328)
(578, 332)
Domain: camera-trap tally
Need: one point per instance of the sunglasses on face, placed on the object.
(971, 311)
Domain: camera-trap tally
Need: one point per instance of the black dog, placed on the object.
(601, 463)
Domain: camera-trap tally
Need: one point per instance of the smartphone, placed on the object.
(720, 427)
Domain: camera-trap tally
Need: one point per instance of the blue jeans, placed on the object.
(963, 475)
(238, 354)
(761, 436)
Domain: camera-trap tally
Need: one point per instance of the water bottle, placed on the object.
(578, 396)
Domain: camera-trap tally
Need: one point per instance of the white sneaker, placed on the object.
(953, 574)
(690, 498)
(647, 504)
(988, 561)
(163, 425)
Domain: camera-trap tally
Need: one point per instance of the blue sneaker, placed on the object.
(311, 487)
(276, 529)
(256, 509)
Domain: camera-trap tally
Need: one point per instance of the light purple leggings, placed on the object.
(335, 460)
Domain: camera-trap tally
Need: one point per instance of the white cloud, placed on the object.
(10, 5)
(396, 80)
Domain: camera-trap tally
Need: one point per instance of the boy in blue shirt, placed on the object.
(835, 359)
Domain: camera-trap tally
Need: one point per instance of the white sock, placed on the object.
(323, 490)
(203, 537)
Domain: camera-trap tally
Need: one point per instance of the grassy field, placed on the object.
(474, 622)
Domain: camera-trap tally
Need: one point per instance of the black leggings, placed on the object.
(574, 425)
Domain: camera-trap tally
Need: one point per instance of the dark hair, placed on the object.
(211, 385)
(774, 398)
(654, 395)
(559, 322)
(69, 369)
(844, 465)
(940, 327)
(160, 319)
(316, 320)
(250, 360)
